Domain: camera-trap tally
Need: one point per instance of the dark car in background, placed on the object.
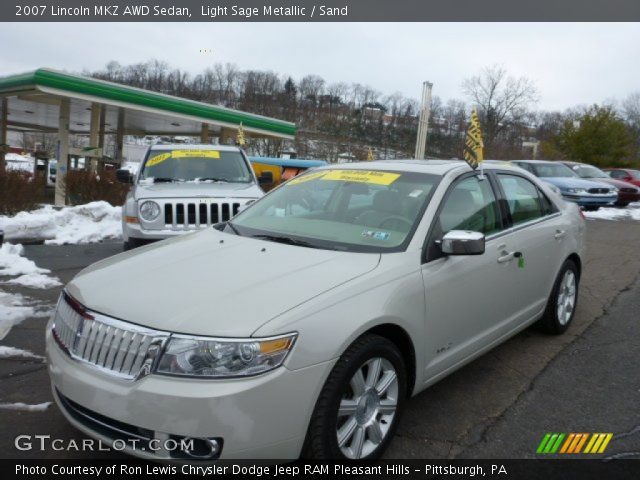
(589, 194)
(627, 192)
(625, 174)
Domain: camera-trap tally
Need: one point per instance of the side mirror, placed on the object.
(124, 176)
(462, 242)
(265, 179)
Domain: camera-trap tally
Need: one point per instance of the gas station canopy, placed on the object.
(34, 100)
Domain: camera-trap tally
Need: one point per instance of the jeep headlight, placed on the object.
(149, 211)
(218, 358)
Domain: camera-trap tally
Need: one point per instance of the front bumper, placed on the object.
(135, 230)
(257, 417)
(590, 200)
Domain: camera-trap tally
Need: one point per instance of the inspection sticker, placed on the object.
(362, 176)
(376, 235)
(182, 154)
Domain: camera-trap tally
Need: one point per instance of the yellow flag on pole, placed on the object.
(473, 145)
(240, 141)
(370, 155)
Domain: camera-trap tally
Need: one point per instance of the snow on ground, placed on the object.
(12, 263)
(12, 352)
(631, 212)
(40, 407)
(14, 308)
(90, 223)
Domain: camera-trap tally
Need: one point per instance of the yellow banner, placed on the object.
(473, 144)
(182, 154)
(362, 176)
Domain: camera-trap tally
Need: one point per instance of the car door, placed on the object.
(534, 242)
(467, 297)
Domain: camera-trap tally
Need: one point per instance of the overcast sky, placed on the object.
(571, 64)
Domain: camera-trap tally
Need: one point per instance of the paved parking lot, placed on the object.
(498, 406)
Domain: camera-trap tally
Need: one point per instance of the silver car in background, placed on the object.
(302, 326)
(181, 188)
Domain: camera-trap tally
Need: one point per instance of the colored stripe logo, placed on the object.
(574, 443)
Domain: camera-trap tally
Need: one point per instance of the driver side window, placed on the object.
(470, 205)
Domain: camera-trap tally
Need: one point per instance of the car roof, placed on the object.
(436, 167)
(194, 146)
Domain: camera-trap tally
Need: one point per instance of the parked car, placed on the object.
(627, 192)
(625, 174)
(589, 194)
(282, 169)
(180, 189)
(301, 327)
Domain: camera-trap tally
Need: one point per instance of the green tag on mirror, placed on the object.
(521, 261)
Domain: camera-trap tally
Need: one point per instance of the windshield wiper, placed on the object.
(166, 180)
(212, 179)
(285, 239)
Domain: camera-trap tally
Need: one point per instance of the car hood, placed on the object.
(213, 283)
(201, 189)
(569, 182)
(614, 182)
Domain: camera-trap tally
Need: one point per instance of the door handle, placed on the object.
(560, 234)
(506, 257)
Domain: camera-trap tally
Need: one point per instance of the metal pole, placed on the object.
(94, 136)
(3, 133)
(204, 133)
(63, 151)
(423, 122)
(120, 137)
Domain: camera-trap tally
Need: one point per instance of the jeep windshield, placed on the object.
(184, 165)
(339, 209)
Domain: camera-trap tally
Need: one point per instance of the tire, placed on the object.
(621, 204)
(557, 317)
(131, 244)
(591, 208)
(371, 429)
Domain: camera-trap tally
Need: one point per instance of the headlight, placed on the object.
(149, 211)
(207, 357)
(576, 190)
(555, 189)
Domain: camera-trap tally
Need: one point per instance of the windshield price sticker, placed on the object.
(362, 176)
(182, 154)
(306, 178)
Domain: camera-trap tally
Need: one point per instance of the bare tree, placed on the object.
(501, 100)
(631, 109)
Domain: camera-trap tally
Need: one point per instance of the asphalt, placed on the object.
(499, 406)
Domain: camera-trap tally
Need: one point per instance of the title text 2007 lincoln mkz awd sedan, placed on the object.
(301, 326)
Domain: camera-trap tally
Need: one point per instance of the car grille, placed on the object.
(113, 346)
(599, 190)
(186, 216)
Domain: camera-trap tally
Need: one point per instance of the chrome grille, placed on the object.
(119, 348)
(192, 215)
(599, 190)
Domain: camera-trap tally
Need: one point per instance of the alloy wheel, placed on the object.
(566, 297)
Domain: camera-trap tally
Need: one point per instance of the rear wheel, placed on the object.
(562, 303)
(360, 404)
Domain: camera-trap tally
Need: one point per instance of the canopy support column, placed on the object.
(204, 133)
(120, 137)
(94, 134)
(3, 133)
(64, 119)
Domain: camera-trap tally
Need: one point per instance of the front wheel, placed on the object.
(591, 208)
(561, 306)
(360, 404)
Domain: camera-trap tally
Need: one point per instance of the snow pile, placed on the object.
(40, 407)
(12, 352)
(13, 311)
(90, 223)
(12, 263)
(632, 212)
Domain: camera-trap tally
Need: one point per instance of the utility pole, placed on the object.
(423, 122)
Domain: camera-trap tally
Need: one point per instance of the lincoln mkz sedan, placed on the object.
(302, 326)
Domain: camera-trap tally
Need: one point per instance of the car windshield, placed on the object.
(195, 165)
(340, 209)
(588, 171)
(552, 170)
